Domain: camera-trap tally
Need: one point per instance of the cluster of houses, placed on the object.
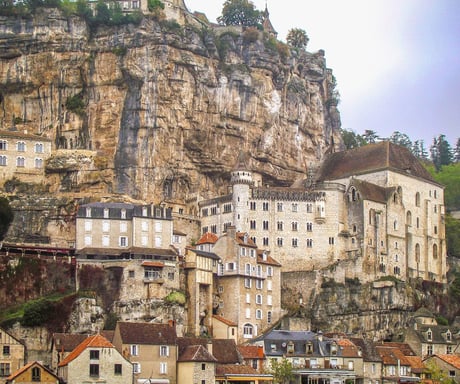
(142, 353)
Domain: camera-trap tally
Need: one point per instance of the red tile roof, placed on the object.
(96, 341)
(391, 355)
(26, 367)
(224, 320)
(208, 238)
(230, 369)
(251, 351)
(240, 240)
(268, 259)
(453, 360)
(67, 342)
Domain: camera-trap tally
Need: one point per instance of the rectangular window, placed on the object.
(331, 241)
(265, 225)
(21, 146)
(94, 370)
(294, 207)
(259, 284)
(248, 313)
(3, 160)
(88, 240)
(106, 226)
(117, 369)
(265, 241)
(134, 350)
(294, 225)
(163, 368)
(309, 243)
(123, 241)
(279, 207)
(144, 226)
(158, 241)
(164, 350)
(20, 162)
(279, 225)
(309, 227)
(279, 241)
(136, 368)
(6, 350)
(248, 298)
(5, 369)
(158, 226)
(265, 206)
(269, 300)
(123, 227)
(258, 314)
(204, 212)
(269, 271)
(247, 282)
(38, 163)
(3, 145)
(94, 354)
(252, 224)
(214, 228)
(144, 240)
(294, 242)
(252, 205)
(203, 366)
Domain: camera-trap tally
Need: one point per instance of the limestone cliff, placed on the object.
(163, 108)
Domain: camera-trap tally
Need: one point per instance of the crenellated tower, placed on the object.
(241, 182)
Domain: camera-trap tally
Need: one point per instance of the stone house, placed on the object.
(95, 360)
(314, 357)
(12, 355)
(23, 155)
(427, 338)
(448, 364)
(253, 355)
(151, 348)
(372, 362)
(223, 328)
(33, 372)
(136, 239)
(196, 365)
(248, 284)
(117, 230)
(396, 367)
(375, 205)
(62, 344)
(229, 367)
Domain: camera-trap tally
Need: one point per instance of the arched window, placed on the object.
(435, 251)
(248, 331)
(353, 194)
(417, 253)
(417, 199)
(409, 218)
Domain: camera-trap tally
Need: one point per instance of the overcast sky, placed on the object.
(397, 62)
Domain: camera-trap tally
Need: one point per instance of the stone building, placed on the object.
(248, 284)
(151, 348)
(23, 155)
(426, 337)
(133, 241)
(375, 205)
(33, 372)
(12, 355)
(95, 360)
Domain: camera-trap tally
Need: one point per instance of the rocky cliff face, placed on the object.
(159, 110)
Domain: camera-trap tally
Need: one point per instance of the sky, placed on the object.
(397, 62)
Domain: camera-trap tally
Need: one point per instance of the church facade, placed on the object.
(375, 205)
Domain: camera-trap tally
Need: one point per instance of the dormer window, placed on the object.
(290, 347)
(333, 349)
(429, 335)
(106, 213)
(448, 336)
(88, 212)
(309, 348)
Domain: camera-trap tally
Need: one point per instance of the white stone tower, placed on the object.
(241, 181)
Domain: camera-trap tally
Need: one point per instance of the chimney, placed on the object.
(209, 346)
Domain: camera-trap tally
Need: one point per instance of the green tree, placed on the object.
(436, 374)
(370, 136)
(351, 139)
(419, 150)
(297, 38)
(6, 216)
(441, 152)
(83, 10)
(155, 5)
(103, 14)
(281, 370)
(449, 176)
(401, 139)
(457, 151)
(453, 236)
(240, 12)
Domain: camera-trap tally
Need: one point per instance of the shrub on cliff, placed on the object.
(37, 313)
(6, 216)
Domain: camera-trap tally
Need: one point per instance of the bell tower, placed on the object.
(242, 182)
